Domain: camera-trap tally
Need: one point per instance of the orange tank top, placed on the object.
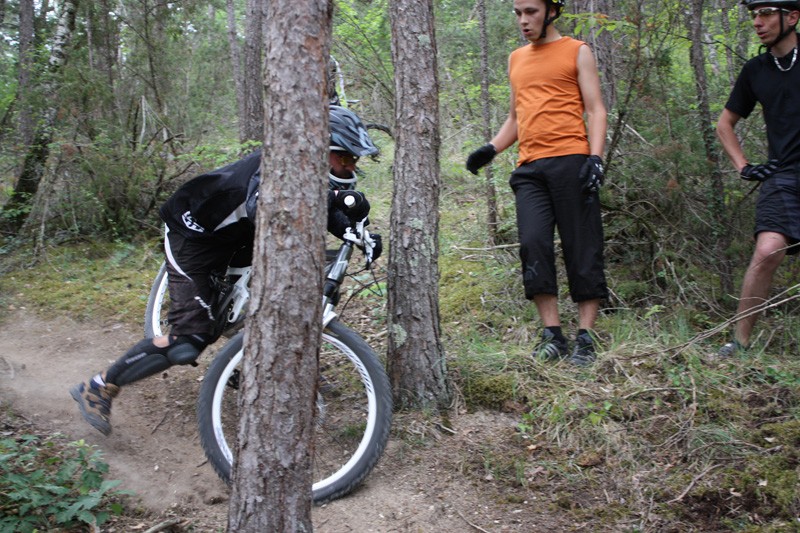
(547, 100)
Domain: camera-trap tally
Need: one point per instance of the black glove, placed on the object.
(353, 204)
(592, 174)
(378, 248)
(759, 172)
(480, 158)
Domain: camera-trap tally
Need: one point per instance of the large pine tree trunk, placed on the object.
(272, 476)
(416, 356)
(16, 209)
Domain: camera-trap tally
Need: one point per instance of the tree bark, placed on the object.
(253, 47)
(16, 209)
(491, 192)
(272, 475)
(25, 73)
(236, 64)
(416, 357)
(721, 236)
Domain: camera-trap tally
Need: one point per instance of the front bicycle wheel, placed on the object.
(353, 419)
(155, 316)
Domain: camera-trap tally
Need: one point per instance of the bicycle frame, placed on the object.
(233, 298)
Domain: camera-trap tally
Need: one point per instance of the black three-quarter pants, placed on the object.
(549, 196)
(778, 207)
(190, 264)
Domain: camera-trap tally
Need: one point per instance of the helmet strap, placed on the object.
(782, 34)
(548, 19)
(547, 22)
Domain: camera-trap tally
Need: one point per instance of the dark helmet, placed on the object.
(559, 6)
(348, 133)
(789, 5)
(786, 4)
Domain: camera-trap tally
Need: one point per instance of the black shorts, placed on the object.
(190, 264)
(778, 207)
(549, 195)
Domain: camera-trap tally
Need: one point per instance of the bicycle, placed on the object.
(354, 402)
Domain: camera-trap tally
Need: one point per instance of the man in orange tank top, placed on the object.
(558, 118)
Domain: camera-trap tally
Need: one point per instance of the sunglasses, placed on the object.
(347, 158)
(764, 12)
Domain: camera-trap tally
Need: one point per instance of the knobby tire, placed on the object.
(353, 419)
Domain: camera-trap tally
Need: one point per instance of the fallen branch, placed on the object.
(769, 304)
(470, 523)
(693, 482)
(164, 525)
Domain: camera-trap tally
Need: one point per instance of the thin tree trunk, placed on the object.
(416, 357)
(25, 73)
(491, 192)
(721, 235)
(16, 209)
(272, 475)
(253, 129)
(236, 64)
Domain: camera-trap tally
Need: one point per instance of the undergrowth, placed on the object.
(659, 434)
(50, 484)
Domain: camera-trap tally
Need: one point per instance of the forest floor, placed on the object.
(425, 481)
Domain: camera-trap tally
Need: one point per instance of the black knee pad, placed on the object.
(185, 349)
(146, 359)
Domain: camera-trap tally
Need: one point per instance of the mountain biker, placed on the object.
(208, 221)
(554, 82)
(771, 79)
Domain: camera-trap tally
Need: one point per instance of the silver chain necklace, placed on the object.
(791, 64)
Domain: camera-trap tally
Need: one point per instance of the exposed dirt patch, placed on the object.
(428, 479)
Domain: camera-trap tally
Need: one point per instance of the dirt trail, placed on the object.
(155, 449)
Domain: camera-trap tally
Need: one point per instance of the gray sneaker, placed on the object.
(583, 353)
(729, 349)
(550, 348)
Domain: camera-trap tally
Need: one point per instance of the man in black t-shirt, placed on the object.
(771, 79)
(209, 220)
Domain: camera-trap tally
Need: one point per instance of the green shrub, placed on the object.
(45, 485)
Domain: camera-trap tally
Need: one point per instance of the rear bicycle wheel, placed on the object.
(353, 419)
(155, 315)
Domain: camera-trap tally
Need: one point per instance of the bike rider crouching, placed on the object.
(208, 221)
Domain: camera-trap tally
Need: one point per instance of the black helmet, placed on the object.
(789, 5)
(348, 133)
(559, 6)
(786, 4)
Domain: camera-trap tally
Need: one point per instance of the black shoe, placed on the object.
(551, 348)
(583, 353)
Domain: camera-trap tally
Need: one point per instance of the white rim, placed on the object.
(158, 302)
(372, 415)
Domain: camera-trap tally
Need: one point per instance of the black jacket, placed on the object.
(221, 204)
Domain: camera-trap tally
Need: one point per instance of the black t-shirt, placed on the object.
(779, 95)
